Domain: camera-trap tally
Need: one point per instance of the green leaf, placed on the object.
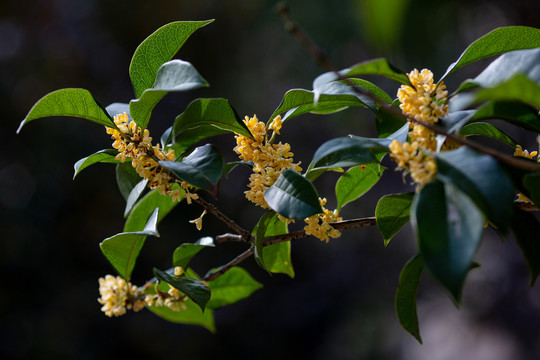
(348, 151)
(388, 122)
(191, 315)
(518, 88)
(392, 213)
(496, 42)
(449, 229)
(157, 49)
(236, 284)
(300, 101)
(260, 232)
(293, 196)
(173, 76)
(190, 137)
(526, 228)
(233, 164)
(145, 207)
(485, 129)
(126, 178)
(103, 156)
(277, 257)
(315, 173)
(69, 102)
(134, 195)
(195, 289)
(356, 182)
(185, 252)
(482, 179)
(118, 108)
(409, 280)
(379, 66)
(202, 168)
(123, 249)
(215, 112)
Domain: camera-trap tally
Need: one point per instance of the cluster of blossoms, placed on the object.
(319, 226)
(118, 295)
(269, 161)
(425, 102)
(134, 143)
(529, 155)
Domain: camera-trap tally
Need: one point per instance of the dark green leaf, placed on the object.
(387, 122)
(126, 178)
(532, 184)
(104, 156)
(356, 182)
(315, 173)
(157, 49)
(173, 76)
(496, 42)
(526, 228)
(215, 112)
(260, 232)
(348, 151)
(69, 102)
(195, 289)
(293, 196)
(449, 229)
(190, 137)
(485, 129)
(233, 164)
(191, 315)
(122, 249)
(482, 179)
(134, 195)
(277, 257)
(409, 280)
(185, 252)
(202, 168)
(236, 284)
(392, 213)
(146, 206)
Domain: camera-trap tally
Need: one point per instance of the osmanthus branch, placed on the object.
(322, 59)
(341, 225)
(210, 208)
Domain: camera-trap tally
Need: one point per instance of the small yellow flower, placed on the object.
(524, 153)
(198, 221)
(117, 295)
(319, 226)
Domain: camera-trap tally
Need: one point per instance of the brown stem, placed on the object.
(322, 59)
(246, 235)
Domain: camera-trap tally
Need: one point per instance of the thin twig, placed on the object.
(246, 235)
(322, 59)
(341, 225)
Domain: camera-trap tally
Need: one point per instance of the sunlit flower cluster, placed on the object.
(269, 159)
(425, 102)
(529, 155)
(131, 142)
(319, 226)
(117, 295)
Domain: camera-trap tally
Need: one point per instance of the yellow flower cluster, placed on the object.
(319, 226)
(131, 142)
(425, 102)
(269, 159)
(117, 295)
(174, 299)
(524, 153)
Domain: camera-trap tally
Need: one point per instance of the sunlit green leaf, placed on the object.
(195, 289)
(123, 249)
(496, 42)
(157, 49)
(392, 213)
(236, 284)
(356, 182)
(485, 129)
(69, 102)
(173, 76)
(277, 257)
(449, 229)
(103, 156)
(192, 315)
(202, 168)
(185, 252)
(482, 179)
(145, 207)
(293, 196)
(409, 280)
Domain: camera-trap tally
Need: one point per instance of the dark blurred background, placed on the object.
(340, 305)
